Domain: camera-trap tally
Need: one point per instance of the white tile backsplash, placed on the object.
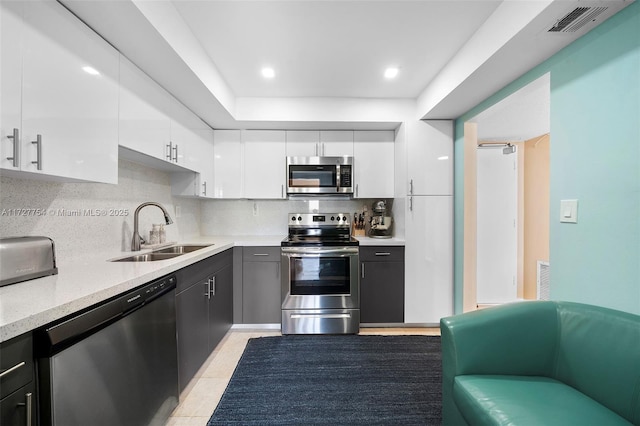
(72, 209)
(236, 217)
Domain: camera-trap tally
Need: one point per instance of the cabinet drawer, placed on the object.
(16, 364)
(261, 254)
(381, 254)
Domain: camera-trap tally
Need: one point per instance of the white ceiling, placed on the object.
(332, 48)
(329, 55)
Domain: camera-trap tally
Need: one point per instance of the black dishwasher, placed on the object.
(112, 364)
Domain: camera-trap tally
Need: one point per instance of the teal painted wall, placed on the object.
(595, 158)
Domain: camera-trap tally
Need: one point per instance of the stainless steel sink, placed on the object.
(181, 249)
(148, 257)
(163, 254)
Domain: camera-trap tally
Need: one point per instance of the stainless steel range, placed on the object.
(320, 280)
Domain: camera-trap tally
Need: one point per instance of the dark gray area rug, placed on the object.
(335, 380)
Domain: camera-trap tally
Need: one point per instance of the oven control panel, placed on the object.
(319, 219)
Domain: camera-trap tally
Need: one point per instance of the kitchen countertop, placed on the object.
(81, 283)
(368, 241)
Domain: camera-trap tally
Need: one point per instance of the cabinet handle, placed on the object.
(175, 151)
(170, 146)
(208, 286)
(204, 191)
(29, 398)
(362, 267)
(357, 185)
(316, 152)
(213, 285)
(281, 191)
(410, 204)
(38, 143)
(16, 147)
(278, 270)
(411, 187)
(28, 404)
(12, 369)
(322, 146)
(261, 254)
(383, 253)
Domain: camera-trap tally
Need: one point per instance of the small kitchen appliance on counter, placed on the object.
(380, 222)
(320, 279)
(26, 258)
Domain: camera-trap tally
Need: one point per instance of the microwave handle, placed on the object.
(338, 178)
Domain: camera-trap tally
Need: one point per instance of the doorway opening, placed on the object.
(506, 198)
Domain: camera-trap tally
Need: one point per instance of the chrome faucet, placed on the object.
(137, 240)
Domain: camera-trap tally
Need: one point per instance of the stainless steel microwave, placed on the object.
(319, 175)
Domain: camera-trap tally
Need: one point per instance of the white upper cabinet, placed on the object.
(227, 164)
(264, 164)
(183, 136)
(10, 83)
(199, 158)
(336, 143)
(303, 143)
(204, 151)
(314, 143)
(374, 164)
(69, 94)
(145, 108)
(430, 157)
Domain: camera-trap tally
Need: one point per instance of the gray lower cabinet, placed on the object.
(261, 303)
(204, 311)
(17, 384)
(381, 284)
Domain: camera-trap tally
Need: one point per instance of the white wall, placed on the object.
(78, 235)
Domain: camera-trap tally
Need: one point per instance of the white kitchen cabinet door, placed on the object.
(227, 164)
(145, 108)
(336, 143)
(183, 136)
(264, 164)
(69, 97)
(374, 164)
(10, 83)
(430, 157)
(199, 158)
(428, 259)
(207, 178)
(303, 143)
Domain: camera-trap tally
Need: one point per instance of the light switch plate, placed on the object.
(569, 211)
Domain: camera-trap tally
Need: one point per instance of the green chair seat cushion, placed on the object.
(527, 400)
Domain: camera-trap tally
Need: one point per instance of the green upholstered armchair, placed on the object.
(541, 363)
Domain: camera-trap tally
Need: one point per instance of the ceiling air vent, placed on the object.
(576, 19)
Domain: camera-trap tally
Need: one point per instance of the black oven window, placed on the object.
(319, 275)
(312, 176)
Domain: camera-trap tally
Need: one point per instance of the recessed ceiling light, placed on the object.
(90, 70)
(268, 72)
(391, 72)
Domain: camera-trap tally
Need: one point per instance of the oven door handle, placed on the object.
(313, 251)
(321, 315)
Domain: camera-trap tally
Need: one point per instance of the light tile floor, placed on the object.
(200, 398)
